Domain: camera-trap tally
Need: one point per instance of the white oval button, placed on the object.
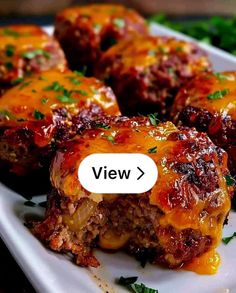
(117, 173)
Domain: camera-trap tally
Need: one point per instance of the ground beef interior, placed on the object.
(128, 222)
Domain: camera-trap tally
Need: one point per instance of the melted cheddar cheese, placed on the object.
(212, 92)
(100, 16)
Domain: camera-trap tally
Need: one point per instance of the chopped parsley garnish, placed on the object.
(94, 91)
(5, 114)
(230, 181)
(44, 101)
(102, 125)
(119, 22)
(179, 49)
(25, 84)
(81, 92)
(34, 91)
(42, 78)
(55, 86)
(74, 80)
(9, 65)
(82, 72)
(218, 94)
(29, 203)
(152, 53)
(220, 76)
(35, 53)
(226, 240)
(109, 138)
(65, 98)
(10, 49)
(153, 119)
(38, 115)
(17, 81)
(97, 27)
(132, 286)
(152, 150)
(11, 33)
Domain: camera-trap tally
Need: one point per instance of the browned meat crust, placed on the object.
(46, 110)
(84, 32)
(179, 218)
(194, 107)
(26, 49)
(146, 72)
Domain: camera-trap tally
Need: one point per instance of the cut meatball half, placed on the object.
(208, 103)
(84, 32)
(179, 219)
(146, 72)
(26, 49)
(43, 111)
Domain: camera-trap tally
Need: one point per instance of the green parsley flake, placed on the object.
(17, 81)
(132, 286)
(102, 125)
(38, 115)
(5, 114)
(74, 80)
(230, 181)
(119, 22)
(66, 99)
(9, 65)
(44, 101)
(221, 76)
(81, 92)
(153, 119)
(11, 33)
(10, 49)
(35, 53)
(218, 94)
(109, 138)
(25, 84)
(152, 53)
(152, 150)
(55, 86)
(226, 240)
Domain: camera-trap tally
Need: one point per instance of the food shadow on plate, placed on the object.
(33, 184)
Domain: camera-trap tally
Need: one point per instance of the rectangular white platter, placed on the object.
(52, 272)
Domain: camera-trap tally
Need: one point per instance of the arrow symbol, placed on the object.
(142, 173)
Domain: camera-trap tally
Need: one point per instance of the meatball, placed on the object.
(179, 219)
(84, 32)
(146, 72)
(208, 103)
(26, 49)
(45, 110)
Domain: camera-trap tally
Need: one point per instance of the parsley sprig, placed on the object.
(130, 284)
(218, 94)
(226, 240)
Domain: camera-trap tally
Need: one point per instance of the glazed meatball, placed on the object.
(146, 72)
(84, 32)
(26, 49)
(179, 219)
(208, 103)
(45, 110)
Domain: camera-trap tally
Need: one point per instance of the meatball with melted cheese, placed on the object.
(84, 32)
(175, 222)
(208, 103)
(45, 110)
(26, 49)
(146, 72)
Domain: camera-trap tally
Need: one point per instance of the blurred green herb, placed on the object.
(217, 31)
(226, 240)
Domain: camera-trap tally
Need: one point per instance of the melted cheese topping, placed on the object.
(184, 204)
(206, 264)
(99, 16)
(23, 37)
(152, 50)
(197, 92)
(46, 92)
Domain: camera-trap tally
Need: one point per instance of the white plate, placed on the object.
(52, 272)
